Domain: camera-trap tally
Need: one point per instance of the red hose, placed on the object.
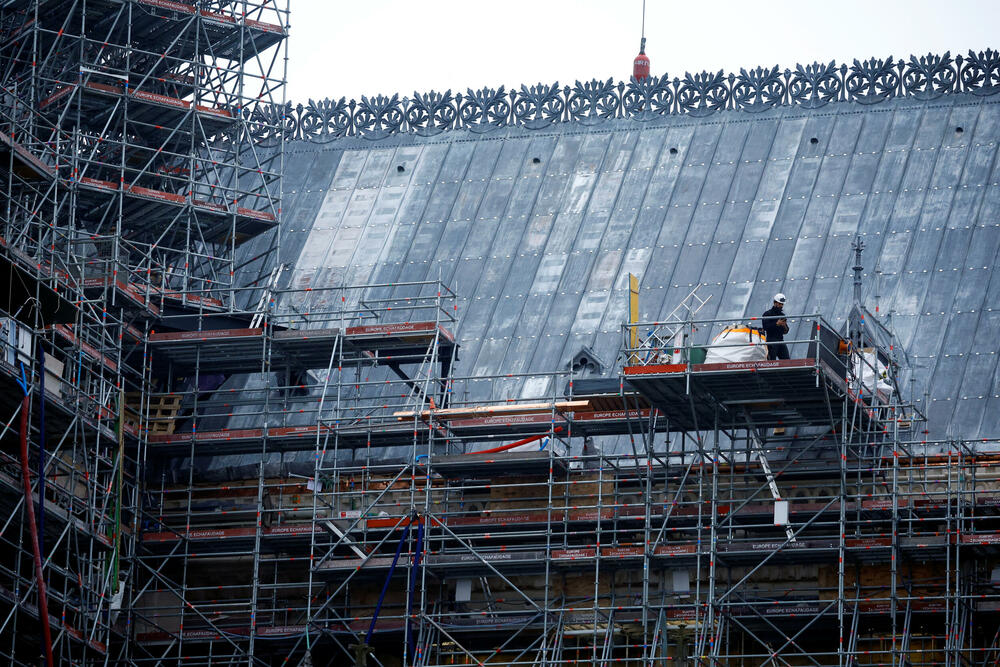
(43, 603)
(503, 448)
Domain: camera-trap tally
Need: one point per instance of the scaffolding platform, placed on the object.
(241, 350)
(225, 34)
(221, 632)
(152, 299)
(56, 516)
(507, 463)
(57, 625)
(131, 178)
(24, 163)
(767, 393)
(161, 206)
(63, 411)
(519, 559)
(274, 539)
(742, 552)
(389, 431)
(284, 438)
(617, 422)
(156, 110)
(754, 612)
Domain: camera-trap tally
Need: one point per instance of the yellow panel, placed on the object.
(633, 314)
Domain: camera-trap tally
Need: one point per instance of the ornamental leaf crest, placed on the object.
(431, 113)
(269, 124)
(754, 90)
(702, 94)
(325, 120)
(484, 109)
(648, 98)
(591, 102)
(378, 117)
(813, 86)
(873, 80)
(758, 89)
(538, 106)
(930, 76)
(980, 73)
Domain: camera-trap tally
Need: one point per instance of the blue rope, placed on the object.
(388, 578)
(22, 382)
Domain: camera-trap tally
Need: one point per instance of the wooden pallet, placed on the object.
(162, 416)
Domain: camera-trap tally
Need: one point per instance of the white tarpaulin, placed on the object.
(737, 344)
(873, 374)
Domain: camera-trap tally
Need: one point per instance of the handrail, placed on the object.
(661, 334)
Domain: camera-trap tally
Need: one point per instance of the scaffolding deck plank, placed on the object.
(387, 431)
(150, 297)
(731, 551)
(478, 622)
(741, 551)
(154, 205)
(496, 520)
(243, 350)
(779, 392)
(524, 462)
(63, 413)
(164, 111)
(447, 414)
(11, 490)
(288, 438)
(26, 164)
(56, 624)
(222, 34)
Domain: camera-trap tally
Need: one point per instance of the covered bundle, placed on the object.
(737, 343)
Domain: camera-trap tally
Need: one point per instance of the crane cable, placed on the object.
(643, 23)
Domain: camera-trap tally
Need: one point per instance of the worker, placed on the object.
(775, 328)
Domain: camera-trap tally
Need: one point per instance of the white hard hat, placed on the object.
(780, 298)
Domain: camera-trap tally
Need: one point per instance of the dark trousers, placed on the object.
(777, 351)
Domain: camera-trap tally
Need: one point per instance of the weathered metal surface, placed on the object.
(538, 229)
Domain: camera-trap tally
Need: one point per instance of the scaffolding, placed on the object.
(217, 469)
(134, 178)
(743, 513)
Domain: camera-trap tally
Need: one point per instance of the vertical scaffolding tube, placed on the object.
(119, 481)
(411, 644)
(897, 657)
(712, 622)
(648, 645)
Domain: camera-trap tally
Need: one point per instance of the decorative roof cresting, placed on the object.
(589, 103)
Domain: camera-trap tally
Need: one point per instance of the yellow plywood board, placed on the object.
(633, 312)
(486, 410)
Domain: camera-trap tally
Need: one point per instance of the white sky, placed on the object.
(367, 47)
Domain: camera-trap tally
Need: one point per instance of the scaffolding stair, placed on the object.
(758, 448)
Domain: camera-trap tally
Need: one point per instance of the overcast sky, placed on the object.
(368, 47)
